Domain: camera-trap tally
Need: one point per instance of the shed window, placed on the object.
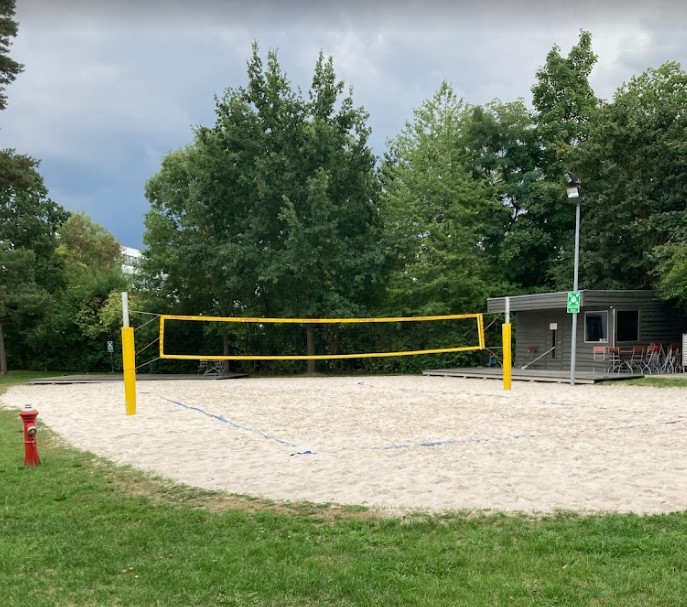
(627, 325)
(596, 327)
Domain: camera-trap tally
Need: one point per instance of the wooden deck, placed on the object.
(96, 379)
(538, 375)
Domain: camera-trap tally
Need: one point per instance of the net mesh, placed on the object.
(205, 338)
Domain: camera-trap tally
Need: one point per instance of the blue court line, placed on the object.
(450, 441)
(465, 441)
(224, 420)
(436, 443)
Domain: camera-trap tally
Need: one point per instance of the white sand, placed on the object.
(538, 448)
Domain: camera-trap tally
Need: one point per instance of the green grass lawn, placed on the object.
(22, 377)
(80, 531)
(678, 381)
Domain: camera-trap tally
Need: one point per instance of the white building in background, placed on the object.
(131, 260)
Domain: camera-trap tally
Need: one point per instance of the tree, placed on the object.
(22, 301)
(565, 102)
(636, 162)
(28, 226)
(9, 68)
(565, 105)
(87, 245)
(506, 157)
(271, 211)
(671, 272)
(29, 267)
(29, 219)
(436, 213)
(73, 333)
(327, 262)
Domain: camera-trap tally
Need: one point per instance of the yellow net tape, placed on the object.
(255, 320)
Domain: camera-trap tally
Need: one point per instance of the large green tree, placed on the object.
(565, 102)
(29, 221)
(328, 260)
(22, 301)
(29, 268)
(564, 107)
(29, 218)
(73, 334)
(636, 164)
(436, 212)
(271, 211)
(505, 154)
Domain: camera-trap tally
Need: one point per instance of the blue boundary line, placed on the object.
(224, 420)
(465, 441)
(434, 443)
(450, 441)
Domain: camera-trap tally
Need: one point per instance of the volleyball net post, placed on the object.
(128, 358)
(506, 336)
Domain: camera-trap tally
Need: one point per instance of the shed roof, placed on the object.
(559, 300)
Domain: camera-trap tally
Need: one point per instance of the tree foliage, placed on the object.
(29, 221)
(636, 162)
(22, 301)
(9, 68)
(565, 106)
(272, 209)
(280, 208)
(436, 213)
(505, 157)
(73, 332)
(565, 102)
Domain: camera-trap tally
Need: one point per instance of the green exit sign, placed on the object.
(574, 299)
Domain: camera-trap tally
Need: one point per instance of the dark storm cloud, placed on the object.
(110, 87)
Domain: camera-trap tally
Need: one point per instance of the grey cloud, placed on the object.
(110, 87)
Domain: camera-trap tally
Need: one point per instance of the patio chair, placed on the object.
(654, 358)
(210, 367)
(600, 356)
(638, 362)
(672, 359)
(616, 363)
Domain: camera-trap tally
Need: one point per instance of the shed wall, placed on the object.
(657, 323)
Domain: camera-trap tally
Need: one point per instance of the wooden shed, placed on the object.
(543, 327)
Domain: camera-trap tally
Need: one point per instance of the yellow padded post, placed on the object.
(507, 365)
(129, 362)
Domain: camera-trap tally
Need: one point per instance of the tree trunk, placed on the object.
(3, 353)
(225, 352)
(310, 344)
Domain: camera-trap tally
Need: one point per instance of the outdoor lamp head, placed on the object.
(573, 189)
(571, 179)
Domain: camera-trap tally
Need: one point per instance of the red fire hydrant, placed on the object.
(28, 416)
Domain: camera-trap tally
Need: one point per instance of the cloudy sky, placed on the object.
(109, 87)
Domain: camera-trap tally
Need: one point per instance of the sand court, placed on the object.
(394, 442)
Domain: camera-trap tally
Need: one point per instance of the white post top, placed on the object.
(125, 309)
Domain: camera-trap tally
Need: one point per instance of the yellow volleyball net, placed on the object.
(263, 339)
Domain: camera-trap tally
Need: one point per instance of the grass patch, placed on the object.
(14, 378)
(78, 530)
(679, 381)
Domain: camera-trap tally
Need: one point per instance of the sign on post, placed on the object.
(574, 298)
(110, 346)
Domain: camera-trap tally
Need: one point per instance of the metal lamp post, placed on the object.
(574, 190)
